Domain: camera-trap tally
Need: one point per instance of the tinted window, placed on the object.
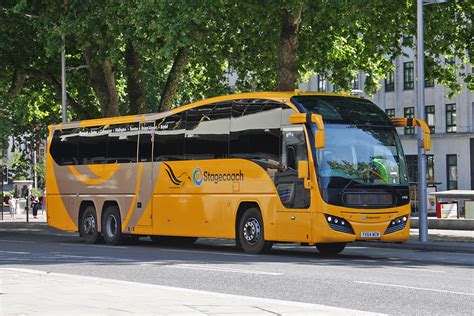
(343, 109)
(169, 138)
(145, 142)
(64, 146)
(93, 145)
(255, 130)
(207, 131)
(123, 140)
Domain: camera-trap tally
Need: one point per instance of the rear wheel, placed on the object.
(251, 232)
(88, 226)
(331, 248)
(112, 226)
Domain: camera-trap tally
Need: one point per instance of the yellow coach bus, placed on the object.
(323, 169)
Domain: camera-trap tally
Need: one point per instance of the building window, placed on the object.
(450, 118)
(389, 82)
(409, 113)
(412, 165)
(408, 76)
(322, 84)
(430, 117)
(407, 40)
(451, 61)
(452, 172)
(430, 177)
(355, 83)
(390, 113)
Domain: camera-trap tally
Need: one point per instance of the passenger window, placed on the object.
(122, 145)
(145, 141)
(169, 138)
(207, 131)
(64, 146)
(93, 145)
(255, 131)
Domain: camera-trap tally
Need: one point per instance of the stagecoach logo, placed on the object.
(197, 176)
(176, 180)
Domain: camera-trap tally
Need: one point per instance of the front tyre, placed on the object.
(88, 226)
(251, 232)
(112, 226)
(331, 248)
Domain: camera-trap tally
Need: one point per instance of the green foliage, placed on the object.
(337, 39)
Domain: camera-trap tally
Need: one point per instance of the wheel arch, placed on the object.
(243, 206)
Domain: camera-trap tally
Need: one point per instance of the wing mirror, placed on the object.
(303, 118)
(403, 122)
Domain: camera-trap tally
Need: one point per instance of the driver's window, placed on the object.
(293, 147)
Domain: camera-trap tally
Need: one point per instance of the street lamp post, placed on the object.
(420, 55)
(63, 81)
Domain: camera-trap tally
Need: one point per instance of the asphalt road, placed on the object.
(390, 281)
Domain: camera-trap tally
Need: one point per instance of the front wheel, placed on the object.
(112, 226)
(251, 232)
(331, 248)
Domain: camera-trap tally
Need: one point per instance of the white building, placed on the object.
(450, 162)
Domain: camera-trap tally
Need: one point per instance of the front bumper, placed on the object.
(361, 223)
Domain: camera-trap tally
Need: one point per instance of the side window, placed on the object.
(145, 141)
(294, 147)
(64, 146)
(93, 145)
(169, 138)
(122, 143)
(255, 131)
(207, 131)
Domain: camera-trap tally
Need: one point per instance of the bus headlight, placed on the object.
(339, 224)
(397, 224)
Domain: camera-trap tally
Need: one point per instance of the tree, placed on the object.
(337, 39)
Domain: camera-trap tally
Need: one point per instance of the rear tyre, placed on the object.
(251, 232)
(112, 226)
(88, 226)
(331, 248)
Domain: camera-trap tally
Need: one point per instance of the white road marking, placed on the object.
(15, 252)
(94, 257)
(251, 300)
(414, 288)
(218, 269)
(419, 269)
(18, 241)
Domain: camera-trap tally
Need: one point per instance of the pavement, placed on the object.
(43, 270)
(59, 293)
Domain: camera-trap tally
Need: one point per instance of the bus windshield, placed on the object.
(362, 146)
(366, 155)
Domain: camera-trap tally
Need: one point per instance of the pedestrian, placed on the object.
(35, 205)
(12, 206)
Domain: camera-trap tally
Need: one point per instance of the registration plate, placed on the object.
(370, 234)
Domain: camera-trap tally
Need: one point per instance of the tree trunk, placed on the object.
(135, 81)
(103, 83)
(287, 72)
(174, 78)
